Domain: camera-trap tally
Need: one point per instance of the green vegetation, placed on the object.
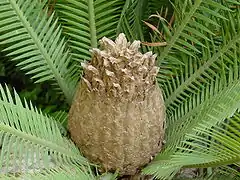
(42, 46)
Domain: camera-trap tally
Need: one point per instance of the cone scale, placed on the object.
(117, 116)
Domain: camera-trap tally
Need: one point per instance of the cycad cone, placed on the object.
(118, 113)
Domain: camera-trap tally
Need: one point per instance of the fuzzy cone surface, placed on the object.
(117, 117)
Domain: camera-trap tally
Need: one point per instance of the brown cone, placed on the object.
(117, 117)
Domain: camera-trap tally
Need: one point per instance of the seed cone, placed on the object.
(117, 117)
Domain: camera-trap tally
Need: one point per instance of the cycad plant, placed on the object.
(198, 55)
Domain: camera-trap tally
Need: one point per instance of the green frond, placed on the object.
(60, 173)
(34, 40)
(127, 20)
(200, 94)
(185, 90)
(156, 5)
(32, 141)
(134, 12)
(220, 58)
(86, 21)
(195, 22)
(201, 119)
(130, 22)
(61, 117)
(222, 141)
(204, 98)
(197, 73)
(227, 172)
(208, 146)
